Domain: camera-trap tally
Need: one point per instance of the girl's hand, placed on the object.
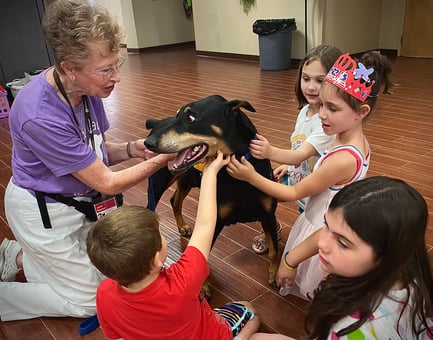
(285, 275)
(216, 163)
(260, 148)
(242, 170)
(280, 172)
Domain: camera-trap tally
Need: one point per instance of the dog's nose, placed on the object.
(150, 142)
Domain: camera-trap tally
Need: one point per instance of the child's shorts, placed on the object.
(236, 314)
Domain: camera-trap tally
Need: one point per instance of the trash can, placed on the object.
(275, 42)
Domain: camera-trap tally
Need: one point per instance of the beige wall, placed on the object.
(221, 25)
(115, 8)
(149, 23)
(131, 38)
(161, 22)
(356, 26)
(391, 28)
(352, 25)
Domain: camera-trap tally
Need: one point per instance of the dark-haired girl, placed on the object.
(378, 283)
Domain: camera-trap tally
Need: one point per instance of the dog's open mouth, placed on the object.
(187, 158)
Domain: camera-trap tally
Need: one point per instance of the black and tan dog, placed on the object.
(198, 130)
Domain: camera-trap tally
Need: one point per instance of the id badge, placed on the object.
(104, 205)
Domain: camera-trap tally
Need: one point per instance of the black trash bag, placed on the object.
(270, 26)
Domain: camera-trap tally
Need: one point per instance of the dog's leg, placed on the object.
(270, 228)
(158, 183)
(189, 180)
(176, 203)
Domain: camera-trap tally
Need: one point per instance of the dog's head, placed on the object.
(200, 129)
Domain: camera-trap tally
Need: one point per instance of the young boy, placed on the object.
(143, 300)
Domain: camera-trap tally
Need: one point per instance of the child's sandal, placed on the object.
(260, 245)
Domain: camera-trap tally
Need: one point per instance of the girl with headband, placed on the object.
(347, 97)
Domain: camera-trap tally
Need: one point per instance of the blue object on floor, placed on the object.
(89, 325)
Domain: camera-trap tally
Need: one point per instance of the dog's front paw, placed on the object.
(185, 231)
(273, 267)
(272, 282)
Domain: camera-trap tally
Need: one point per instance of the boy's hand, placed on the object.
(216, 163)
(260, 147)
(242, 170)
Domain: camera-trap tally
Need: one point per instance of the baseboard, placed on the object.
(187, 44)
(206, 54)
(220, 55)
(243, 57)
(390, 53)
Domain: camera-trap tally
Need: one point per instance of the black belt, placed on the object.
(86, 208)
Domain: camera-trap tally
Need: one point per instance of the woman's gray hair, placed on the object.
(71, 27)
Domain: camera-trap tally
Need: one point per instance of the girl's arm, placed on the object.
(290, 260)
(338, 168)
(260, 148)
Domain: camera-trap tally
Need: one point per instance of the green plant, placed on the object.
(247, 4)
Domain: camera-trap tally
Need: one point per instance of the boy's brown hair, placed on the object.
(123, 243)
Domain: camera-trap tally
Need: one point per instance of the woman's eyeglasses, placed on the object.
(108, 72)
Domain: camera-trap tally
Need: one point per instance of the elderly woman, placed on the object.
(61, 179)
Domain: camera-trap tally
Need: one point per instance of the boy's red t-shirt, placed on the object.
(170, 308)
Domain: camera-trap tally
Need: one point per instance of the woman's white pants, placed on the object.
(61, 281)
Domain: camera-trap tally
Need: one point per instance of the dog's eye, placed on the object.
(190, 118)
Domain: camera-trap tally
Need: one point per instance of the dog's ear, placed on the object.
(244, 124)
(150, 123)
(237, 104)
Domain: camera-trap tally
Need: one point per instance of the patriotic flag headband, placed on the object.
(351, 77)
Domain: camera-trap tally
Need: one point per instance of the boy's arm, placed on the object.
(204, 227)
(290, 260)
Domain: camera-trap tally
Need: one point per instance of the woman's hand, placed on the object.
(260, 148)
(242, 170)
(137, 149)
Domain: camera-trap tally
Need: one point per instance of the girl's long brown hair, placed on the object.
(391, 216)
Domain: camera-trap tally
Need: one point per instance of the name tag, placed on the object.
(104, 205)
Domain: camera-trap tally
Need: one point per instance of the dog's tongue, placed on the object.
(187, 157)
(181, 157)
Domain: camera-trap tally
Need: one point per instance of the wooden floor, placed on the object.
(155, 84)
